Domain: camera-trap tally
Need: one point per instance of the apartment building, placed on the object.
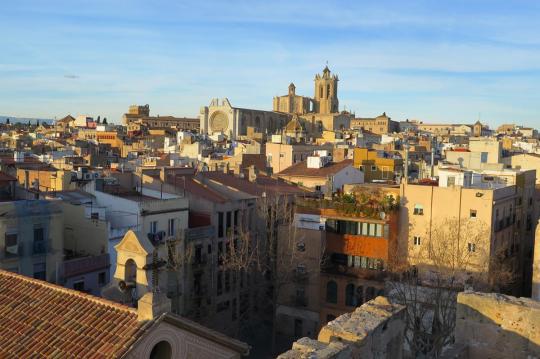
(31, 238)
(281, 156)
(319, 173)
(341, 258)
(377, 165)
(500, 203)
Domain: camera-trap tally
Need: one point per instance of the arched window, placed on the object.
(350, 299)
(131, 271)
(331, 292)
(257, 123)
(321, 91)
(328, 91)
(161, 350)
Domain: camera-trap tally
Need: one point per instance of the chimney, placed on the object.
(152, 305)
(252, 173)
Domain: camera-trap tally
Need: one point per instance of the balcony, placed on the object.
(343, 270)
(199, 262)
(299, 300)
(199, 292)
(364, 203)
(301, 277)
(39, 247)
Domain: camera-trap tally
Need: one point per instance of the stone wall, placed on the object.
(495, 326)
(373, 330)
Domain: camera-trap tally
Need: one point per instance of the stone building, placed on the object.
(490, 325)
(374, 330)
(138, 117)
(220, 117)
(380, 125)
(320, 112)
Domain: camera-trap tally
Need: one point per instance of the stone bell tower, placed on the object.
(326, 100)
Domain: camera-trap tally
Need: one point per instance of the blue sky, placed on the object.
(437, 61)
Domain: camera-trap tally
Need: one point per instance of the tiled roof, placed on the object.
(301, 169)
(39, 319)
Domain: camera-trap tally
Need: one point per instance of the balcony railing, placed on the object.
(299, 301)
(40, 247)
(364, 273)
(300, 276)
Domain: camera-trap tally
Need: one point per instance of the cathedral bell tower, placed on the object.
(326, 100)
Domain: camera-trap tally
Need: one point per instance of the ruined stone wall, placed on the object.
(497, 326)
(373, 330)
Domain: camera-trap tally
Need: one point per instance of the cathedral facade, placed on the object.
(220, 117)
(315, 114)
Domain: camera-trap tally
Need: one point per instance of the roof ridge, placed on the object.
(98, 300)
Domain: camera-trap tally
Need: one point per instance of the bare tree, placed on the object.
(455, 255)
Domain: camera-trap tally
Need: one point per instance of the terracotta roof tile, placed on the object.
(301, 169)
(38, 319)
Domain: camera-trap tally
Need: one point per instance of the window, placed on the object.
(451, 181)
(416, 240)
(220, 224)
(102, 278)
(11, 246)
(219, 283)
(153, 227)
(161, 350)
(472, 213)
(79, 285)
(331, 292)
(471, 247)
(170, 227)
(318, 188)
(229, 222)
(40, 271)
(350, 299)
(418, 210)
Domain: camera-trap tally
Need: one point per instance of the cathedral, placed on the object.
(314, 114)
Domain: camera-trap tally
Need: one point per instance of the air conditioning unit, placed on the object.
(14, 249)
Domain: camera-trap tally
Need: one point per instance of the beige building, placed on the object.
(526, 161)
(499, 206)
(281, 156)
(31, 238)
(322, 177)
(379, 125)
(138, 117)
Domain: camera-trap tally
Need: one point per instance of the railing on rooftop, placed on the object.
(354, 206)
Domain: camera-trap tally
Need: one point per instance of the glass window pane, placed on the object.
(372, 229)
(378, 231)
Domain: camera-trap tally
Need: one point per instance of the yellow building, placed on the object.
(376, 168)
(46, 179)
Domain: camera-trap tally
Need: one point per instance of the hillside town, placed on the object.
(307, 231)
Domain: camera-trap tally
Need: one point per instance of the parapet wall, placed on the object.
(373, 330)
(497, 326)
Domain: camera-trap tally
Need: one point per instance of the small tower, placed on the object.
(292, 90)
(326, 100)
